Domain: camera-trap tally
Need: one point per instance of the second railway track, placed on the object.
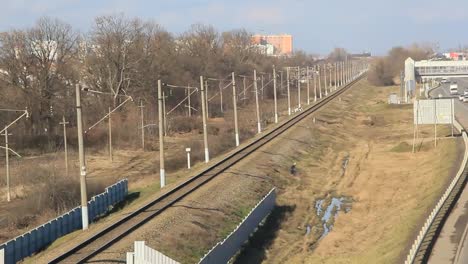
(113, 233)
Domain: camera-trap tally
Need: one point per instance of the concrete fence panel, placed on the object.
(146, 255)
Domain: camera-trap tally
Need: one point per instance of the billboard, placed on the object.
(434, 111)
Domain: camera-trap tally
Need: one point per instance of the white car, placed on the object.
(461, 97)
(465, 98)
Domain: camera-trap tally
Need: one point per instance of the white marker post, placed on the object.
(188, 157)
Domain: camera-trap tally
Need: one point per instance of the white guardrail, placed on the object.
(422, 233)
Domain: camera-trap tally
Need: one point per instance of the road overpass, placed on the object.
(438, 69)
(426, 70)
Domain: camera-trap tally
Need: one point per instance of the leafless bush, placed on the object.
(384, 70)
(52, 197)
(184, 124)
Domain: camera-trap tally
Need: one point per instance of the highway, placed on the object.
(452, 244)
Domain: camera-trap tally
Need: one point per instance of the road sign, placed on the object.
(434, 111)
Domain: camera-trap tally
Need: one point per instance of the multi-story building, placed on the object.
(282, 43)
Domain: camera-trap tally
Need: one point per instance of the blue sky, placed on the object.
(316, 26)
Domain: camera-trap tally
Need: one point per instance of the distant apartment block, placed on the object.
(282, 43)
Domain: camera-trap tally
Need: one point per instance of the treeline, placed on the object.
(39, 66)
(386, 70)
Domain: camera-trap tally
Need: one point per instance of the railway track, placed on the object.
(113, 233)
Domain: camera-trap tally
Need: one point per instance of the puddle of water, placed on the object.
(318, 206)
(331, 211)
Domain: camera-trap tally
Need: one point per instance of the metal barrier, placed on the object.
(37, 239)
(429, 221)
(224, 250)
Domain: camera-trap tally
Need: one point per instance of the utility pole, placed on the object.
(331, 69)
(81, 155)
(325, 79)
(308, 86)
(315, 85)
(274, 95)
(281, 82)
(319, 81)
(162, 172)
(336, 75)
(234, 106)
(7, 164)
(110, 136)
(245, 90)
(221, 96)
(164, 113)
(142, 121)
(188, 101)
(289, 94)
(298, 87)
(207, 101)
(259, 127)
(204, 116)
(342, 73)
(64, 124)
(263, 86)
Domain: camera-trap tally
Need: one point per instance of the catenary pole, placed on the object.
(7, 165)
(259, 127)
(234, 106)
(81, 155)
(65, 144)
(110, 136)
(289, 93)
(319, 81)
(315, 85)
(204, 117)
(308, 86)
(299, 87)
(142, 122)
(274, 95)
(162, 172)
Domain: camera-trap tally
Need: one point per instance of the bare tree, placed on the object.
(38, 61)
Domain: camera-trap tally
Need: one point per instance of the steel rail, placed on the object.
(113, 233)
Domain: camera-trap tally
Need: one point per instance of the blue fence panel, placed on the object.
(32, 240)
(18, 247)
(77, 218)
(10, 252)
(47, 233)
(53, 230)
(59, 226)
(91, 210)
(111, 195)
(27, 250)
(40, 238)
(65, 223)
